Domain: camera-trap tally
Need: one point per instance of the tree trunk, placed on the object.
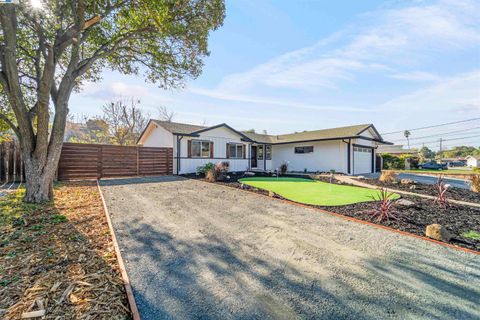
(38, 180)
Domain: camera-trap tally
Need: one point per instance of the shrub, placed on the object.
(475, 183)
(217, 171)
(476, 170)
(388, 176)
(284, 167)
(385, 209)
(442, 189)
(392, 162)
(205, 168)
(221, 169)
(211, 175)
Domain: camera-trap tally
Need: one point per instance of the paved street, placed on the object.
(457, 183)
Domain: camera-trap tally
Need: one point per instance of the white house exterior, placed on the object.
(473, 161)
(349, 150)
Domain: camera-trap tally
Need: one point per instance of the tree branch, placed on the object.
(10, 124)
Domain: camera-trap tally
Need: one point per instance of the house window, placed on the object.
(260, 152)
(307, 149)
(200, 149)
(268, 152)
(235, 150)
(359, 149)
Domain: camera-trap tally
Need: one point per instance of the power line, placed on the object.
(434, 126)
(438, 134)
(444, 140)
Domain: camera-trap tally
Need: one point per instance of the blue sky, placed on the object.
(286, 66)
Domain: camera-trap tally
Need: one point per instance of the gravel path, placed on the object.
(196, 250)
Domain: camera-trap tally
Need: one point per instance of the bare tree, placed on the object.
(125, 121)
(164, 114)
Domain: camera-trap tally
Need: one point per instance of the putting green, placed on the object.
(313, 192)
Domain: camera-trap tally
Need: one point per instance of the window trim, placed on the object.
(209, 143)
(268, 152)
(260, 147)
(236, 144)
(303, 147)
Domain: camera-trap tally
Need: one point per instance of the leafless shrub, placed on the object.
(284, 167)
(442, 189)
(475, 183)
(388, 176)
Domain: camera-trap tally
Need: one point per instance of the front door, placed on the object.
(253, 157)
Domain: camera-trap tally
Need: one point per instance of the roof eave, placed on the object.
(224, 125)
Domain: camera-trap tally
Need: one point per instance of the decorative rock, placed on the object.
(361, 177)
(413, 187)
(249, 173)
(405, 203)
(438, 232)
(407, 181)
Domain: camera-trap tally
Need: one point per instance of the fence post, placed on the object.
(168, 160)
(138, 161)
(99, 162)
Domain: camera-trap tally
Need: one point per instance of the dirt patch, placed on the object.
(427, 189)
(59, 257)
(457, 219)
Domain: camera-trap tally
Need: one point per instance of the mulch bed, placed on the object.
(457, 219)
(452, 193)
(59, 257)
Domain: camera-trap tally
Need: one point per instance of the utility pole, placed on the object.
(440, 150)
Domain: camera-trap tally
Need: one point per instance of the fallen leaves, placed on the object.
(58, 262)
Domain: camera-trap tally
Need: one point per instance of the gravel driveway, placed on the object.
(198, 250)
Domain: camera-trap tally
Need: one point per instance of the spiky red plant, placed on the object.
(385, 209)
(442, 189)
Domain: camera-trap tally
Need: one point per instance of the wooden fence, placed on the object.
(90, 161)
(11, 165)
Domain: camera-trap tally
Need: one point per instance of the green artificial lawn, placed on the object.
(314, 192)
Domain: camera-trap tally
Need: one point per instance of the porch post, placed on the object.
(264, 157)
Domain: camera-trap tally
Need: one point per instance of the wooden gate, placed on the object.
(94, 161)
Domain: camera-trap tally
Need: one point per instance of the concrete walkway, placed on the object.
(7, 187)
(365, 184)
(195, 250)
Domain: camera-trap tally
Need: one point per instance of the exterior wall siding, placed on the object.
(220, 137)
(159, 137)
(326, 156)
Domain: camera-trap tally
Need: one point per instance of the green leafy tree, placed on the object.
(460, 151)
(48, 52)
(426, 153)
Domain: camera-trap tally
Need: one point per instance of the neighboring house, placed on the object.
(395, 150)
(473, 161)
(350, 150)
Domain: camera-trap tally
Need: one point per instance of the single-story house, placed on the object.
(349, 150)
(473, 161)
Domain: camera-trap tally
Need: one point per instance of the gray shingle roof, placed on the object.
(325, 134)
(333, 133)
(175, 127)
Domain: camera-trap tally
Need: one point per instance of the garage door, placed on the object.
(362, 160)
